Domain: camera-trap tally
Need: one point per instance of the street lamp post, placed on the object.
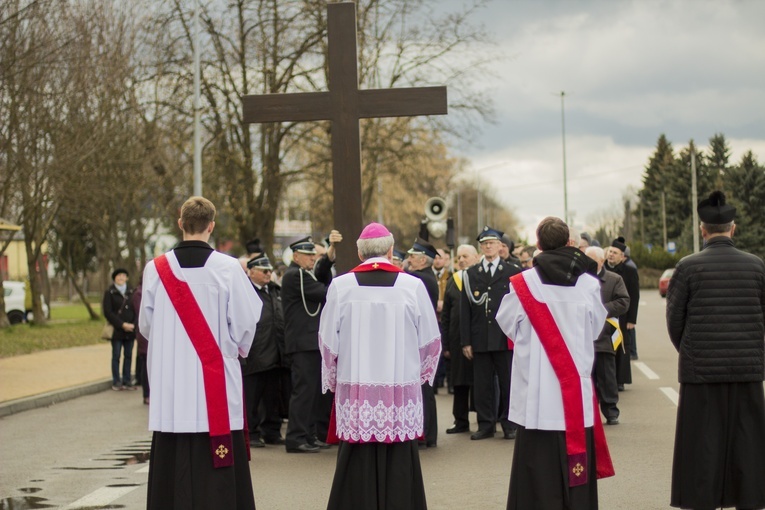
(197, 130)
(565, 181)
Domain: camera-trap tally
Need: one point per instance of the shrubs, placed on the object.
(655, 259)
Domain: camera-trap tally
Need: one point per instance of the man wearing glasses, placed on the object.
(261, 369)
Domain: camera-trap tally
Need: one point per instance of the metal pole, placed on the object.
(479, 212)
(379, 201)
(197, 130)
(459, 216)
(664, 218)
(694, 199)
(565, 182)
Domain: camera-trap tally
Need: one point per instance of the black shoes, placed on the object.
(303, 448)
(457, 430)
(273, 440)
(510, 434)
(620, 387)
(320, 444)
(482, 434)
(612, 421)
(256, 442)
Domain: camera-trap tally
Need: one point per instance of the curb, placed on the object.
(53, 397)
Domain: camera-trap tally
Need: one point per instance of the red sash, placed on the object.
(571, 389)
(213, 373)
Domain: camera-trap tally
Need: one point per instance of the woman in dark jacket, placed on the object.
(118, 310)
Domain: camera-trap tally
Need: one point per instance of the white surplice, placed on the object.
(378, 346)
(231, 307)
(536, 401)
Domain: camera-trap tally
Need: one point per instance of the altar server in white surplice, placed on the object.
(199, 311)
(380, 342)
(553, 313)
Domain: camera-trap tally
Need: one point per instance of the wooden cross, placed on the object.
(344, 104)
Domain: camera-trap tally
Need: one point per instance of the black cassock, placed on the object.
(731, 442)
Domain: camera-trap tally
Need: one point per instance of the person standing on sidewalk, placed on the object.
(118, 310)
(198, 311)
(716, 321)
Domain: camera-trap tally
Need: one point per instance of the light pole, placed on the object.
(197, 130)
(565, 181)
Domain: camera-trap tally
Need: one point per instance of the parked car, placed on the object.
(664, 281)
(15, 298)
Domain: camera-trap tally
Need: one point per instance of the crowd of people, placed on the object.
(537, 339)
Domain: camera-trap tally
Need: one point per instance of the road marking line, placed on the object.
(144, 469)
(671, 395)
(646, 371)
(101, 497)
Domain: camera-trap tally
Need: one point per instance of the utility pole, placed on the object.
(197, 130)
(479, 211)
(565, 182)
(694, 199)
(664, 218)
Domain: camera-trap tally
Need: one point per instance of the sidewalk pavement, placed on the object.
(48, 377)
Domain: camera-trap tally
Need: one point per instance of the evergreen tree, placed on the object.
(746, 190)
(655, 181)
(718, 160)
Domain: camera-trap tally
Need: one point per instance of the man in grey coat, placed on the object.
(616, 299)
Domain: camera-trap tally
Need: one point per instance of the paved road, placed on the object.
(90, 452)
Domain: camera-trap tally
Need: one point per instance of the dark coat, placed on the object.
(143, 343)
(632, 281)
(431, 283)
(478, 327)
(301, 329)
(616, 300)
(118, 309)
(461, 368)
(268, 345)
(716, 314)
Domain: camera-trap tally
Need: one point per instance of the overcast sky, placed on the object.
(631, 70)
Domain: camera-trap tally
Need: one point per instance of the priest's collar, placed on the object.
(193, 244)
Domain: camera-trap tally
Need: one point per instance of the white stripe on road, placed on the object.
(101, 497)
(671, 394)
(144, 469)
(646, 371)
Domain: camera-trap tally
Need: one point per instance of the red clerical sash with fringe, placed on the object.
(377, 266)
(571, 389)
(213, 373)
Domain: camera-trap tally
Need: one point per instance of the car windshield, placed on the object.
(667, 273)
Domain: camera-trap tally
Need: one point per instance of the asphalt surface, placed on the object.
(90, 452)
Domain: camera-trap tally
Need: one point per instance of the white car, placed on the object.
(15, 299)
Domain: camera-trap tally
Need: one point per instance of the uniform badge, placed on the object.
(499, 267)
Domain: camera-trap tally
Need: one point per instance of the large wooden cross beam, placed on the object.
(344, 104)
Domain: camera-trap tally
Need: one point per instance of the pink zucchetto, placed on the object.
(374, 231)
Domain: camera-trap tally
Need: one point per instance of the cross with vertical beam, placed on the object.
(344, 104)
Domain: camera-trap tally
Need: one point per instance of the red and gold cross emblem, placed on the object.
(222, 451)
